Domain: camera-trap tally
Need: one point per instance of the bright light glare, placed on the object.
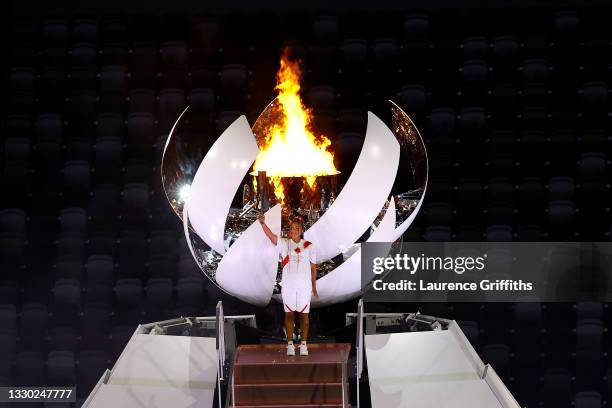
(184, 192)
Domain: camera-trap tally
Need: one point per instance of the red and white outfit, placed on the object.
(296, 282)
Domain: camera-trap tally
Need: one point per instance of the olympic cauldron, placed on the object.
(217, 194)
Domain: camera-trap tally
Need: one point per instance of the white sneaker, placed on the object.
(303, 349)
(290, 350)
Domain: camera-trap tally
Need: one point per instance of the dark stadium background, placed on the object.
(512, 100)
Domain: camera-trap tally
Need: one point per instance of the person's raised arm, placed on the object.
(272, 236)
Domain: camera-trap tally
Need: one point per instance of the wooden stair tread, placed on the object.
(285, 373)
(268, 354)
(285, 394)
(289, 384)
(264, 376)
(293, 406)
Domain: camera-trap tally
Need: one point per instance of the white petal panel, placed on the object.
(248, 269)
(363, 195)
(344, 282)
(217, 180)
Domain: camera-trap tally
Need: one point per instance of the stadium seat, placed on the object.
(159, 299)
(61, 368)
(85, 30)
(63, 339)
(92, 365)
(129, 302)
(30, 368)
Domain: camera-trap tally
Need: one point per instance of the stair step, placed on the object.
(276, 354)
(288, 394)
(265, 376)
(294, 406)
(269, 363)
(287, 373)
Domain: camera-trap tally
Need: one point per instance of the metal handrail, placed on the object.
(233, 390)
(220, 345)
(229, 393)
(220, 336)
(342, 369)
(359, 345)
(219, 385)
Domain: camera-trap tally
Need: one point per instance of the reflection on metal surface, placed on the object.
(206, 259)
(409, 203)
(270, 114)
(175, 169)
(412, 144)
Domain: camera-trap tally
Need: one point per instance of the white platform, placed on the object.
(160, 371)
(434, 369)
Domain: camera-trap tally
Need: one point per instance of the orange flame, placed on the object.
(290, 148)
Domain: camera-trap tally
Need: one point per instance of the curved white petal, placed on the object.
(217, 180)
(186, 231)
(344, 282)
(363, 195)
(248, 269)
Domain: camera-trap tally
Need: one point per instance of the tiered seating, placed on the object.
(513, 107)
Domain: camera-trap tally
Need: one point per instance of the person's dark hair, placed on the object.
(297, 219)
